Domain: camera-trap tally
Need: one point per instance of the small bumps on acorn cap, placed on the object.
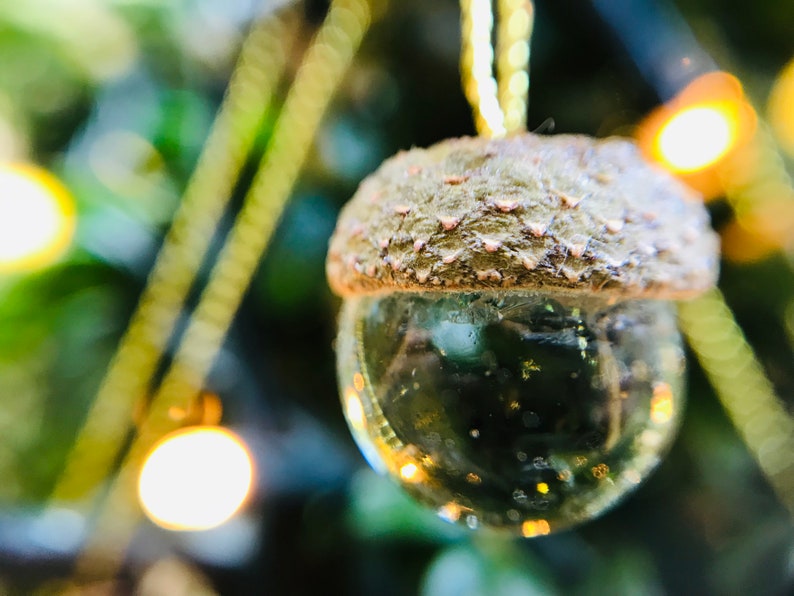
(565, 212)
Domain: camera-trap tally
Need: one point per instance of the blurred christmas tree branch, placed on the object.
(127, 381)
(318, 77)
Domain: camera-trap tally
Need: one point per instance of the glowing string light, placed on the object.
(37, 218)
(195, 479)
(696, 137)
(712, 137)
(695, 133)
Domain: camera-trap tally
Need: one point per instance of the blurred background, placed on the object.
(105, 106)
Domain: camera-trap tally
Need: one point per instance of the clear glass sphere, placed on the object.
(525, 411)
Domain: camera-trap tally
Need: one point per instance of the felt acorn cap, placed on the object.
(563, 213)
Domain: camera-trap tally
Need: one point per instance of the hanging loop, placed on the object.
(499, 104)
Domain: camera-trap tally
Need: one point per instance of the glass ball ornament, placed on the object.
(526, 411)
(507, 346)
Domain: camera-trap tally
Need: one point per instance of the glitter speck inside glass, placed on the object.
(525, 411)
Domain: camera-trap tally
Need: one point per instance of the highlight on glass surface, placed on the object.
(37, 218)
(196, 478)
(694, 133)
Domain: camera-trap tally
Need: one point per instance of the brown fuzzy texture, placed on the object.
(563, 213)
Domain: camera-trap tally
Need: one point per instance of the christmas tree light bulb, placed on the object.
(507, 347)
(37, 218)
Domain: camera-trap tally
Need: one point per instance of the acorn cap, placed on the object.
(562, 213)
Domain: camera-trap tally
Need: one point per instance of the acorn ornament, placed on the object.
(507, 348)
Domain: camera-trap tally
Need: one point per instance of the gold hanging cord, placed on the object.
(744, 390)
(126, 383)
(318, 77)
(735, 373)
(499, 107)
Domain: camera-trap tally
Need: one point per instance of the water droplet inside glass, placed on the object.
(530, 412)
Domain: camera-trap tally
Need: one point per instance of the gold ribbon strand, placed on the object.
(318, 77)
(514, 31)
(744, 390)
(127, 380)
(499, 107)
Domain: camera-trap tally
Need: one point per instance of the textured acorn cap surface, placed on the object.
(530, 212)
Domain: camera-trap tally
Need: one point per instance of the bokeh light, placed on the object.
(696, 137)
(195, 479)
(762, 230)
(37, 218)
(709, 136)
(695, 133)
(781, 108)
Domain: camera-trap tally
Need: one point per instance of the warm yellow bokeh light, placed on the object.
(195, 479)
(701, 132)
(696, 137)
(781, 107)
(37, 218)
